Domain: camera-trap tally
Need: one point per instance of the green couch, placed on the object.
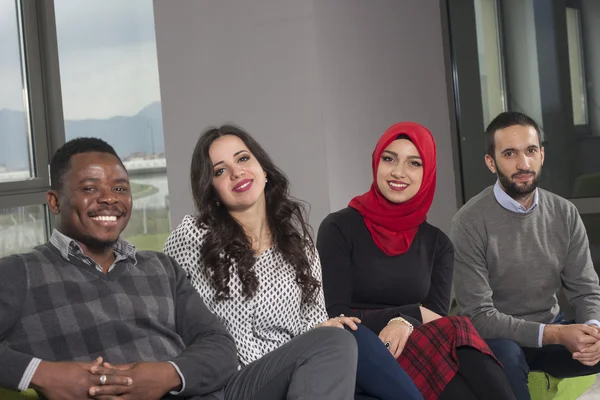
(546, 387)
(10, 395)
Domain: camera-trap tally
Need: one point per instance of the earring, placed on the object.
(218, 203)
(266, 180)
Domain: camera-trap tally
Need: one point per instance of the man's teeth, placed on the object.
(110, 218)
(398, 185)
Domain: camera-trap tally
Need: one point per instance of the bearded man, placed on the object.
(516, 245)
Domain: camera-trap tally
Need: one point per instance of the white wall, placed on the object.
(316, 82)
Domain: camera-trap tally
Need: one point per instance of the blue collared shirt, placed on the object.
(511, 204)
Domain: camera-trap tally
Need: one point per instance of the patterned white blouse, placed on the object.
(273, 316)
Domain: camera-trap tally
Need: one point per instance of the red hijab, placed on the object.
(394, 226)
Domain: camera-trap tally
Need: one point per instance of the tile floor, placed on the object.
(592, 393)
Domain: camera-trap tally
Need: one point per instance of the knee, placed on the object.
(509, 353)
(361, 333)
(338, 341)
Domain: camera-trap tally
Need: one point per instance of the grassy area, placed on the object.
(151, 241)
(151, 235)
(147, 229)
(141, 190)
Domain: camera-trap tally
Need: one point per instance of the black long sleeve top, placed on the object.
(360, 280)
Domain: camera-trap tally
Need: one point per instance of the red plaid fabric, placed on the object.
(429, 356)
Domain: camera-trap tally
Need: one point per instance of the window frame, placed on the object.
(41, 74)
(580, 129)
(465, 94)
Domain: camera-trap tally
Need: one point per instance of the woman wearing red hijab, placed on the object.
(382, 262)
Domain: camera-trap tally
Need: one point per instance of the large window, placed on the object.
(491, 70)
(15, 152)
(21, 228)
(74, 68)
(550, 52)
(109, 80)
(576, 67)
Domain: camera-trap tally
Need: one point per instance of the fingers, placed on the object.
(340, 321)
(589, 355)
(591, 331)
(390, 342)
(101, 379)
(587, 360)
(121, 367)
(89, 365)
(109, 383)
(332, 322)
(394, 344)
(591, 349)
(584, 341)
(111, 397)
(109, 372)
(400, 348)
(112, 391)
(349, 321)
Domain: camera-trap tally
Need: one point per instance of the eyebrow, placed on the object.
(533, 146)
(118, 180)
(237, 153)
(396, 155)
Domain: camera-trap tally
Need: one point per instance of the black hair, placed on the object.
(61, 160)
(504, 120)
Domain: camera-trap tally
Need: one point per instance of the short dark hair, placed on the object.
(504, 120)
(61, 159)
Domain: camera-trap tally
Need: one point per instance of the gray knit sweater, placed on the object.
(142, 310)
(509, 266)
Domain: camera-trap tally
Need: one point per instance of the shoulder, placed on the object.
(342, 224)
(436, 236)
(558, 208)
(188, 232)
(32, 259)
(477, 206)
(148, 258)
(343, 218)
(15, 264)
(555, 203)
(190, 224)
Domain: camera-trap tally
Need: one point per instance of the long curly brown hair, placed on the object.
(290, 233)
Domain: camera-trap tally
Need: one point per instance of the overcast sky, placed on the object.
(107, 57)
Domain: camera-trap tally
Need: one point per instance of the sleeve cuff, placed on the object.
(28, 374)
(541, 335)
(173, 392)
(593, 322)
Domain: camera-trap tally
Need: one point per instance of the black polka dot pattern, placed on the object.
(266, 321)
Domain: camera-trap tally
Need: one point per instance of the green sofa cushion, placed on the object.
(546, 387)
(6, 394)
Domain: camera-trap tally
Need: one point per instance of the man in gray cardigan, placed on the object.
(87, 298)
(515, 246)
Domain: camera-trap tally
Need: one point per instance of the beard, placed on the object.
(515, 190)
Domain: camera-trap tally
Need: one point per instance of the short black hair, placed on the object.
(61, 159)
(504, 120)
